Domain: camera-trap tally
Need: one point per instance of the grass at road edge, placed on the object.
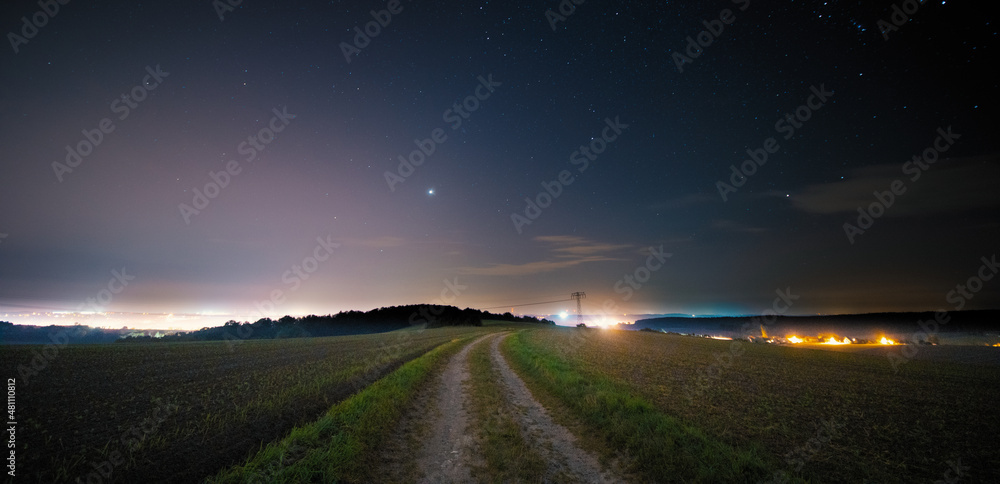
(661, 448)
(339, 447)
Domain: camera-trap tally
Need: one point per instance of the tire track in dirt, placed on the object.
(566, 460)
(448, 451)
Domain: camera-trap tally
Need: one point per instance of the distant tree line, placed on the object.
(346, 322)
(11, 333)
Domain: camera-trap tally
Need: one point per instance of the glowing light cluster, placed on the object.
(833, 341)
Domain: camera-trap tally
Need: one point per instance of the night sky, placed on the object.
(253, 166)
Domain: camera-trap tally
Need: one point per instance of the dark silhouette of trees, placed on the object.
(346, 322)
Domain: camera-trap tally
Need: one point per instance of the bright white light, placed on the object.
(430, 192)
(563, 314)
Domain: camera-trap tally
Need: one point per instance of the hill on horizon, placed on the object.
(378, 320)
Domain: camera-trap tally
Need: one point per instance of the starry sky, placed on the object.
(182, 163)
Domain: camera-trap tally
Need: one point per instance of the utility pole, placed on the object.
(579, 311)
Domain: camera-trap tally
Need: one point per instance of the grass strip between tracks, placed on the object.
(507, 456)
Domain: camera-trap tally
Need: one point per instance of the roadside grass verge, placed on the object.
(660, 447)
(507, 455)
(341, 446)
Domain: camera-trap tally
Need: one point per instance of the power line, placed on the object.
(524, 300)
(527, 304)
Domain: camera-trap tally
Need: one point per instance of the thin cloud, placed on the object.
(948, 185)
(572, 246)
(567, 251)
(528, 268)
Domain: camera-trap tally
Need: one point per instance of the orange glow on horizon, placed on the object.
(833, 341)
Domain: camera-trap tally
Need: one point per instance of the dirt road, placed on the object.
(449, 446)
(567, 462)
(448, 450)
